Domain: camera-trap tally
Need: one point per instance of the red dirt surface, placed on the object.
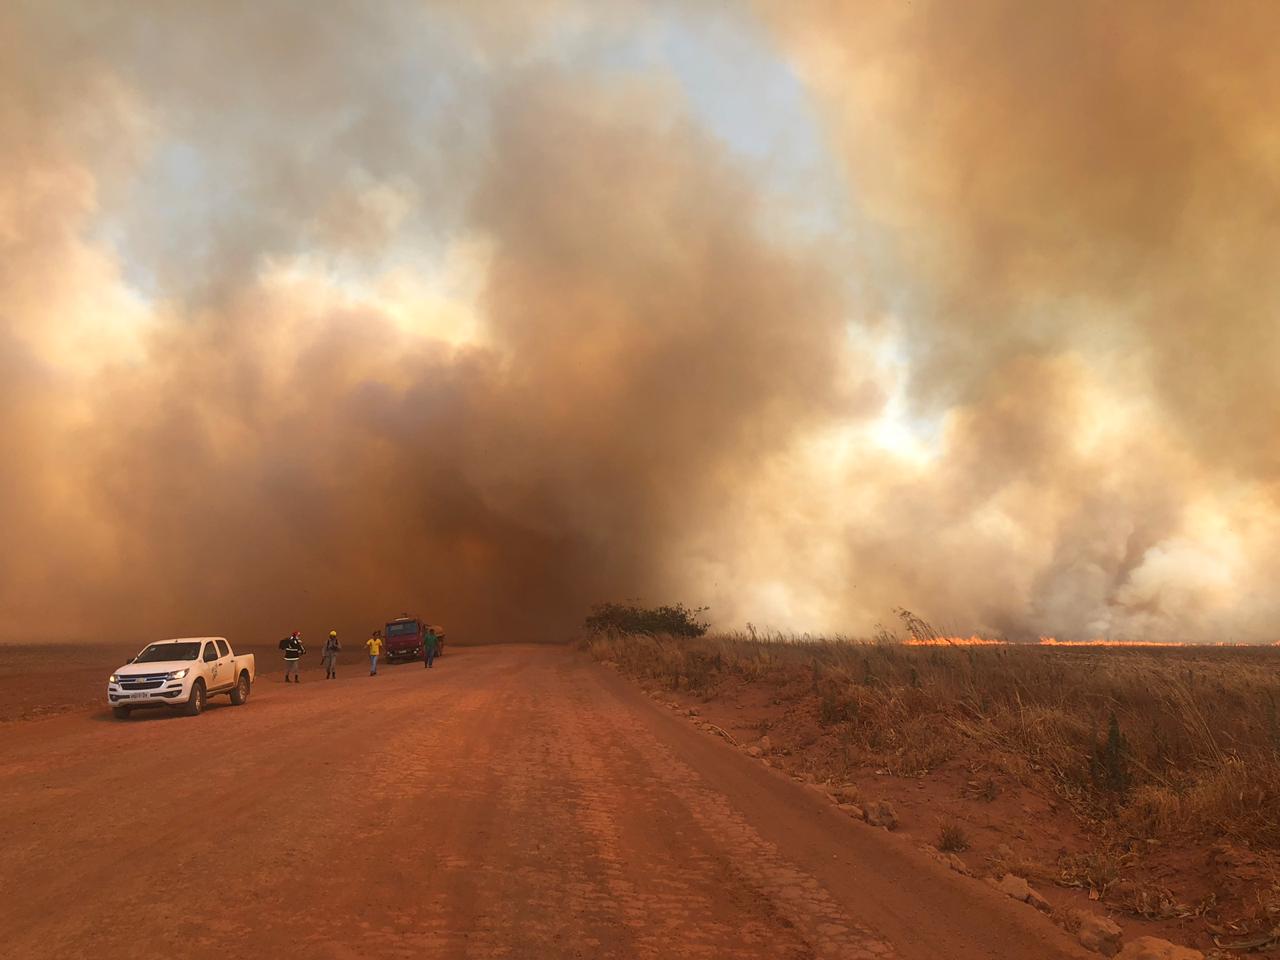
(1010, 827)
(516, 801)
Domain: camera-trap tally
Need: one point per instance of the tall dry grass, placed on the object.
(1155, 742)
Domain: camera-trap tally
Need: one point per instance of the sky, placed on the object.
(804, 312)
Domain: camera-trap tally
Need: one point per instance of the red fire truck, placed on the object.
(404, 637)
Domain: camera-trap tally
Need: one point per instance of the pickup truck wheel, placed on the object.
(195, 703)
(241, 692)
(120, 713)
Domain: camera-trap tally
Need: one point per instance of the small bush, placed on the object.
(952, 838)
(675, 620)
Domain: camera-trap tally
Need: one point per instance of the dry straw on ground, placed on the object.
(1148, 742)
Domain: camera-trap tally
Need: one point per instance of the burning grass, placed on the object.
(1147, 743)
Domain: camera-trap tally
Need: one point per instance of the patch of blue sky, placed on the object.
(741, 89)
(743, 93)
(202, 183)
(735, 82)
(171, 188)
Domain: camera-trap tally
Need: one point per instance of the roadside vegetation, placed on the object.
(1159, 741)
(631, 617)
(1152, 748)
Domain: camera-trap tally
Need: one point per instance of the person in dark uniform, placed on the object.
(293, 651)
(329, 655)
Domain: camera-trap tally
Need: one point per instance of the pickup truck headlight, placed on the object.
(113, 679)
(177, 674)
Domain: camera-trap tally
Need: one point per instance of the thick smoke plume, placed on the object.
(280, 447)
(308, 317)
(1077, 205)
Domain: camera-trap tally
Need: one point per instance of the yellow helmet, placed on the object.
(333, 633)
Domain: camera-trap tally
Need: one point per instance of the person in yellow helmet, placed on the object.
(329, 656)
(374, 644)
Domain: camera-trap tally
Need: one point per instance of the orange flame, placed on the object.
(977, 641)
(974, 641)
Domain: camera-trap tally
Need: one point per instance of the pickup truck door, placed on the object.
(209, 666)
(226, 664)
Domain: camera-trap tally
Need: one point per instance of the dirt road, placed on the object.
(514, 802)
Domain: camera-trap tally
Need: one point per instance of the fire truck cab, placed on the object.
(405, 635)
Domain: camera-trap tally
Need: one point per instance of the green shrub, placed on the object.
(674, 620)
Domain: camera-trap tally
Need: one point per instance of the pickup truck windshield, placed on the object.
(168, 651)
(402, 629)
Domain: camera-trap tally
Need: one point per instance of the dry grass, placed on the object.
(1152, 743)
(952, 838)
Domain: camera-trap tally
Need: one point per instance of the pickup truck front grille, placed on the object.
(145, 682)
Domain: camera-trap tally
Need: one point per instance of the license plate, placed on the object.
(136, 696)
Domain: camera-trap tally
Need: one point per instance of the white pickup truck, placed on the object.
(181, 673)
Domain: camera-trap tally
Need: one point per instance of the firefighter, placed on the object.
(293, 651)
(329, 656)
(429, 646)
(374, 646)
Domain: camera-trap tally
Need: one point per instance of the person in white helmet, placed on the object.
(293, 651)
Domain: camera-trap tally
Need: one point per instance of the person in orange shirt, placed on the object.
(374, 644)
